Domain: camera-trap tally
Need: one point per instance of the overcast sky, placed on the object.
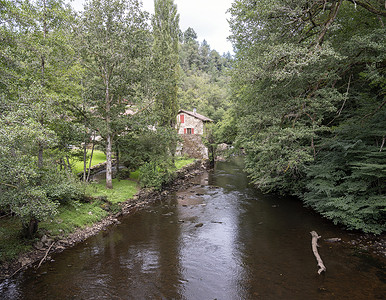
(207, 17)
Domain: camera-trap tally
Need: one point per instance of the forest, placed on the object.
(303, 99)
(308, 93)
(111, 72)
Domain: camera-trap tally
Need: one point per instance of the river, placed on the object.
(218, 239)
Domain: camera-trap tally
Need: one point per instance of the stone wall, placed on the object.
(190, 122)
(193, 146)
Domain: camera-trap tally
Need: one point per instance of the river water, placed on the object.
(218, 239)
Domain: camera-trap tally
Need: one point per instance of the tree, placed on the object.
(307, 71)
(36, 58)
(115, 40)
(166, 60)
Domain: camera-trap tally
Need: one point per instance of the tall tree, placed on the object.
(36, 59)
(115, 39)
(166, 60)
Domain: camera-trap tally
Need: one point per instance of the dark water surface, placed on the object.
(217, 240)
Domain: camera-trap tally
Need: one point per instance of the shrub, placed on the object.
(155, 174)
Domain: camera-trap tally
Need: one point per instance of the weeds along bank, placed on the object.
(76, 222)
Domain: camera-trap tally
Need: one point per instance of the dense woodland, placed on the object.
(308, 88)
(303, 97)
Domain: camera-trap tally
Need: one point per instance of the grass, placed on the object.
(97, 157)
(181, 162)
(73, 216)
(11, 243)
(123, 190)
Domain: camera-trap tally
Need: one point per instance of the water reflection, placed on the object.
(219, 239)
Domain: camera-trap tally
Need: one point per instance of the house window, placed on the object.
(190, 130)
(182, 119)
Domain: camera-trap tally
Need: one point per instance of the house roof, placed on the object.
(196, 115)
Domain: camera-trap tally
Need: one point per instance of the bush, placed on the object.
(155, 174)
(63, 187)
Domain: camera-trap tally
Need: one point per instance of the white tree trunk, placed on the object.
(109, 171)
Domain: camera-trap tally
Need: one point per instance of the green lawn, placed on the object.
(73, 216)
(181, 162)
(122, 190)
(98, 157)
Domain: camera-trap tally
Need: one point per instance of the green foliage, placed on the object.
(143, 143)
(347, 182)
(204, 82)
(309, 97)
(115, 47)
(155, 174)
(63, 187)
(165, 60)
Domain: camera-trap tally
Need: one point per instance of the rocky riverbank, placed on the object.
(54, 244)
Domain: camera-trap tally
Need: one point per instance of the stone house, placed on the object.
(191, 127)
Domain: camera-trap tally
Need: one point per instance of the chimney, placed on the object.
(194, 111)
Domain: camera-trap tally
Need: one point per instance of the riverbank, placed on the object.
(57, 243)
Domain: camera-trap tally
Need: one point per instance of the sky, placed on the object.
(208, 18)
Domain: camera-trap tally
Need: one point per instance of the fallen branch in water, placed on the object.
(45, 255)
(314, 243)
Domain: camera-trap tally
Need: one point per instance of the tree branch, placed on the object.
(45, 255)
(10, 185)
(333, 13)
(366, 5)
(345, 96)
(314, 243)
(383, 143)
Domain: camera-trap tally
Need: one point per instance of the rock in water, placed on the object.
(333, 240)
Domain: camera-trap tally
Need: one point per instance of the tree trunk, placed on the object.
(68, 163)
(84, 160)
(92, 153)
(109, 177)
(30, 228)
(117, 162)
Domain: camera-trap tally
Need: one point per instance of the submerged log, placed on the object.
(314, 243)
